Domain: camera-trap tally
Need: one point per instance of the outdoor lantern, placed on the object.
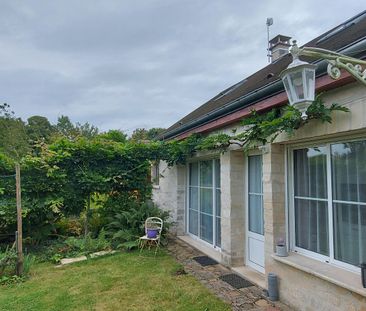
(299, 81)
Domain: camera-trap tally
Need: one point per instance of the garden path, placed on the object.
(250, 298)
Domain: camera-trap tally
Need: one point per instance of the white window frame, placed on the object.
(214, 229)
(291, 204)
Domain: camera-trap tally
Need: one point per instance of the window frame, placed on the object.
(214, 189)
(291, 203)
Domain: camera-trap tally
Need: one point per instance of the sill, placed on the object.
(156, 187)
(338, 276)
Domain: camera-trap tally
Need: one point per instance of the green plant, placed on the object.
(69, 226)
(56, 258)
(8, 260)
(87, 245)
(126, 224)
(28, 262)
(11, 279)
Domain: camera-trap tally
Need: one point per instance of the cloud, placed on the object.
(128, 64)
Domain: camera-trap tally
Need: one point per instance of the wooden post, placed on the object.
(19, 221)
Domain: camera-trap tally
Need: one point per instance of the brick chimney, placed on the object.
(279, 46)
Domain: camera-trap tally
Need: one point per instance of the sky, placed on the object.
(141, 63)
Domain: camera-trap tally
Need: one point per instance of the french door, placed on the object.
(204, 201)
(255, 217)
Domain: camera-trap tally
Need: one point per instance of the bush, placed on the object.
(87, 244)
(8, 260)
(126, 224)
(69, 226)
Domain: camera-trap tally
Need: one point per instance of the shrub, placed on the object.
(8, 260)
(126, 224)
(69, 226)
(87, 245)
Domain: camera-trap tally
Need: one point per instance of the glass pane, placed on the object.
(349, 233)
(218, 202)
(297, 82)
(193, 198)
(206, 173)
(256, 214)
(206, 228)
(217, 173)
(255, 174)
(311, 225)
(218, 231)
(193, 174)
(206, 200)
(310, 172)
(349, 171)
(288, 88)
(310, 84)
(193, 222)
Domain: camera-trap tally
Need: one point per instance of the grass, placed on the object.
(124, 281)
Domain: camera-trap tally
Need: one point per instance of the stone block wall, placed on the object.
(232, 208)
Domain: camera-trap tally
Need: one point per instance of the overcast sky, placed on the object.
(141, 63)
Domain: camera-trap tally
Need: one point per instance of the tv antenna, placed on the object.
(268, 23)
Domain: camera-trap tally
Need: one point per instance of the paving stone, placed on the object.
(262, 303)
(67, 261)
(101, 253)
(249, 299)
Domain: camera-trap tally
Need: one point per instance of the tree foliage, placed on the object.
(14, 141)
(38, 128)
(63, 177)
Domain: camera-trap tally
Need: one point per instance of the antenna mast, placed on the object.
(268, 23)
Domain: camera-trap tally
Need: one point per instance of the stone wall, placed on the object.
(165, 194)
(232, 208)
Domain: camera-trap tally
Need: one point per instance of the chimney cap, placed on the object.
(279, 38)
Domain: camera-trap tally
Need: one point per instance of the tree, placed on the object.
(65, 127)
(87, 130)
(39, 128)
(114, 135)
(154, 132)
(13, 137)
(141, 134)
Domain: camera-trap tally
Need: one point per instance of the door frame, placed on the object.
(246, 213)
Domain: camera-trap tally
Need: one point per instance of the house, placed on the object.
(308, 188)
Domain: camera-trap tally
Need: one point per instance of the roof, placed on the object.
(335, 39)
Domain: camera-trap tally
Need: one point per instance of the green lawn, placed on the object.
(124, 281)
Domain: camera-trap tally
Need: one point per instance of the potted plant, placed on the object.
(281, 249)
(152, 231)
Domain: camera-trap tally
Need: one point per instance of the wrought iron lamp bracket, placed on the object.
(336, 62)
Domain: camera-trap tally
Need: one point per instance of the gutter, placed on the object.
(269, 90)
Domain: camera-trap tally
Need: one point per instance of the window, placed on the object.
(329, 202)
(204, 204)
(155, 173)
(255, 195)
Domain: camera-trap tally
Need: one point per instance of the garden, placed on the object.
(84, 192)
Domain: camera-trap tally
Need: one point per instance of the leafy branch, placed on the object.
(259, 129)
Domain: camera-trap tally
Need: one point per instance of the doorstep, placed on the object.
(248, 273)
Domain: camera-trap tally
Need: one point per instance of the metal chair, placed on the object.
(153, 230)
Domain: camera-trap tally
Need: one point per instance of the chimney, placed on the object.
(279, 46)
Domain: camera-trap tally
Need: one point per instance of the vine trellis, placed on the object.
(260, 129)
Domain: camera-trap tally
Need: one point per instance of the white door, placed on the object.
(255, 220)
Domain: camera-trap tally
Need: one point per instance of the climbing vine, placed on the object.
(259, 129)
